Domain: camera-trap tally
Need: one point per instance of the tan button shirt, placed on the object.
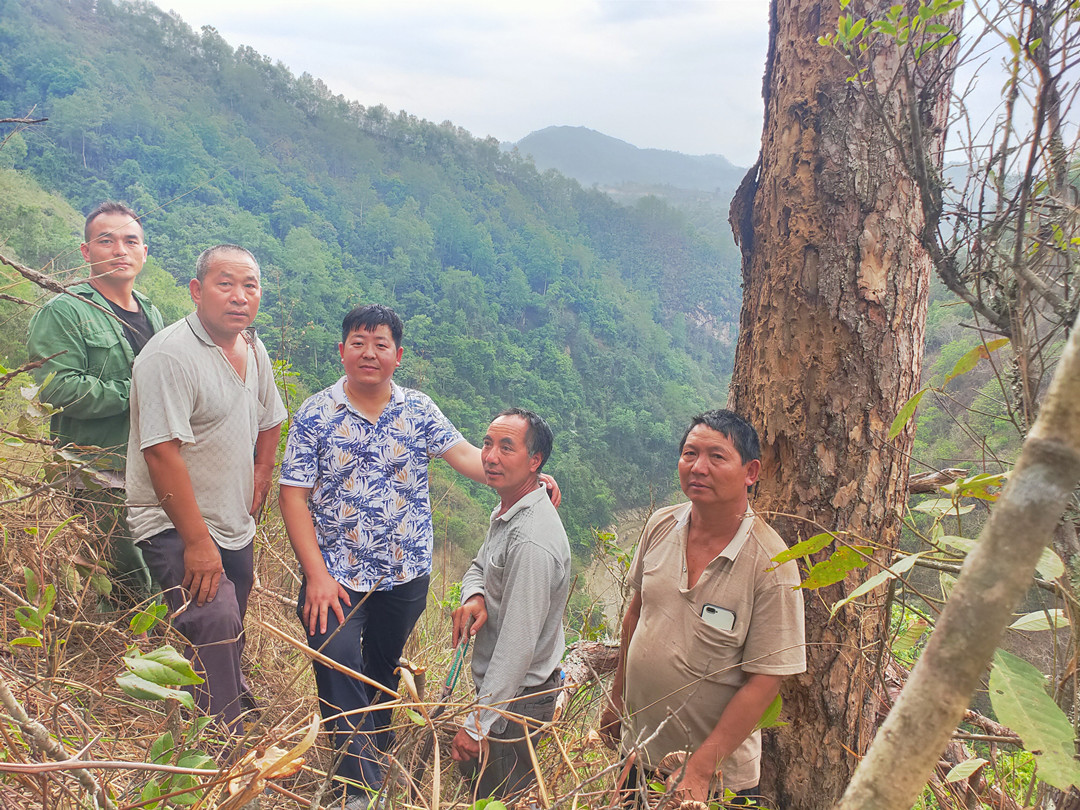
(680, 664)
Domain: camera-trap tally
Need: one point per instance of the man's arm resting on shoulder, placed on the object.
(611, 717)
(172, 484)
(322, 593)
(465, 458)
(736, 723)
(266, 445)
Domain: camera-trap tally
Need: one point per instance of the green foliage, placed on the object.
(517, 288)
(156, 674)
(919, 32)
(1021, 703)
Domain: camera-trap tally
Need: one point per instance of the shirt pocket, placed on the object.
(105, 357)
(715, 654)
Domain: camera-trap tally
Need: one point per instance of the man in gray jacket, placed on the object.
(514, 592)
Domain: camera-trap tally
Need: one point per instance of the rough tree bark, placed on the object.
(830, 347)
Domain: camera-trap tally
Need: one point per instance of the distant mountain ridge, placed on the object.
(591, 157)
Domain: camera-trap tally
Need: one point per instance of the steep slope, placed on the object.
(517, 288)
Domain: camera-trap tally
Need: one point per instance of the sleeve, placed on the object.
(57, 327)
(440, 431)
(300, 463)
(166, 399)
(274, 412)
(776, 638)
(636, 571)
(531, 572)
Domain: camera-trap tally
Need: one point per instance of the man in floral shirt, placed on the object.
(354, 496)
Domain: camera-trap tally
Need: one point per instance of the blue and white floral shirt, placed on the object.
(369, 482)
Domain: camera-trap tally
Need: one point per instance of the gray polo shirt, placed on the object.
(184, 387)
(523, 572)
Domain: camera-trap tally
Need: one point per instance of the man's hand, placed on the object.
(475, 608)
(464, 748)
(202, 570)
(323, 593)
(611, 727)
(694, 784)
(552, 487)
(264, 475)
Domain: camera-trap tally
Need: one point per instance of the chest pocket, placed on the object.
(105, 357)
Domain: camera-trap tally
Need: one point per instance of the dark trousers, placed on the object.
(638, 775)
(371, 642)
(104, 512)
(508, 769)
(215, 631)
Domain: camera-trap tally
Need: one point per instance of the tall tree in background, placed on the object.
(830, 347)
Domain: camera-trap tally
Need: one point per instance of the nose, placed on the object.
(700, 464)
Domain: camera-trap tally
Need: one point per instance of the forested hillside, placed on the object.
(517, 288)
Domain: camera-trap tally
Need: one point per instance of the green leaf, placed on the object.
(28, 618)
(1050, 566)
(26, 641)
(771, 717)
(964, 544)
(161, 750)
(1041, 620)
(892, 572)
(803, 549)
(909, 637)
(136, 687)
(840, 563)
(1020, 702)
(145, 619)
(942, 507)
(415, 716)
(902, 418)
(101, 584)
(491, 804)
(163, 666)
(972, 358)
(57, 529)
(947, 582)
(1014, 44)
(48, 599)
(965, 769)
(13, 441)
(150, 792)
(978, 486)
(33, 587)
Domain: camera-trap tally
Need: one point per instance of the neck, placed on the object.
(717, 522)
(119, 292)
(226, 340)
(510, 497)
(368, 399)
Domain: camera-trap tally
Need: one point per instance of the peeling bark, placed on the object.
(830, 347)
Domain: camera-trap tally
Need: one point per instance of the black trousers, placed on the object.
(371, 642)
(508, 769)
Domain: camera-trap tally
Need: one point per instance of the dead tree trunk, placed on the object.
(830, 347)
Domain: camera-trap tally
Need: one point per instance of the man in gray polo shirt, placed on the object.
(205, 421)
(515, 592)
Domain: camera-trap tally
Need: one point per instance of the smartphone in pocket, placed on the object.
(718, 617)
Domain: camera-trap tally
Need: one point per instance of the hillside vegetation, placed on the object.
(516, 287)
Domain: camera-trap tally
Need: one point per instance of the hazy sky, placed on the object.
(670, 74)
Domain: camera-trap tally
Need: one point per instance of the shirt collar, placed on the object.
(732, 549)
(341, 399)
(198, 328)
(523, 502)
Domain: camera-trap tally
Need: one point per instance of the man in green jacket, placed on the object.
(88, 339)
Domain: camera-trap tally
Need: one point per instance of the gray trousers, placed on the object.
(215, 631)
(509, 769)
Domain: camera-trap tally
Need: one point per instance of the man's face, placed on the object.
(370, 356)
(227, 299)
(711, 472)
(116, 251)
(508, 466)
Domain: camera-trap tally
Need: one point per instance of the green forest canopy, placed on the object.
(516, 287)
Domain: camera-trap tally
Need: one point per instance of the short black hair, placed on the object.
(538, 436)
(734, 427)
(369, 317)
(108, 207)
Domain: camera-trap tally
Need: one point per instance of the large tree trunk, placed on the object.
(830, 347)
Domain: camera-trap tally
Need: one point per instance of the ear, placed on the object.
(84, 248)
(400, 352)
(535, 461)
(753, 470)
(341, 351)
(196, 290)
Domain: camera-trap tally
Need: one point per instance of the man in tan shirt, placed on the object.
(713, 625)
